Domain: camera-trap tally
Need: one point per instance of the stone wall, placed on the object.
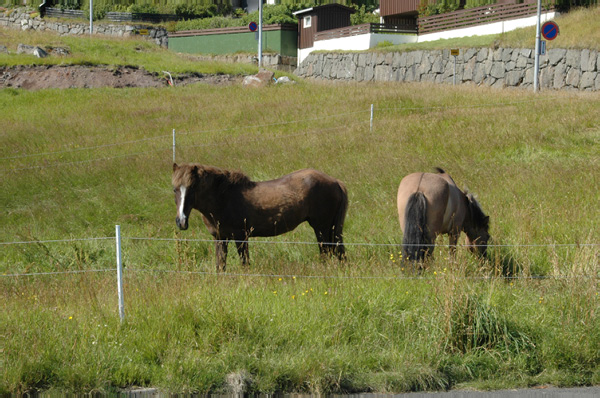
(269, 60)
(22, 19)
(560, 69)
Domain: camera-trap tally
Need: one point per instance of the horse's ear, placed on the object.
(175, 167)
(195, 170)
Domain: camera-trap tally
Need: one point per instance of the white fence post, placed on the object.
(371, 122)
(173, 145)
(120, 274)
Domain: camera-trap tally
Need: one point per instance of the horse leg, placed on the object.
(221, 250)
(452, 241)
(338, 249)
(242, 248)
(324, 247)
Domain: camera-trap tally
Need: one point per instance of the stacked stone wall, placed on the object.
(22, 19)
(560, 69)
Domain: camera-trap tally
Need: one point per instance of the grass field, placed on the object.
(69, 171)
(75, 163)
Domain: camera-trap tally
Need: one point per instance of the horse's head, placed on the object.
(184, 183)
(477, 227)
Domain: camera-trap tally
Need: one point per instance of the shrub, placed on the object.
(474, 325)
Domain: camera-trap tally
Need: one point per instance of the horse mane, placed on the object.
(187, 173)
(439, 170)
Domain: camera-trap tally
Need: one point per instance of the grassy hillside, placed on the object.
(579, 28)
(109, 51)
(77, 162)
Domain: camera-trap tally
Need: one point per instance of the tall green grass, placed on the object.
(313, 325)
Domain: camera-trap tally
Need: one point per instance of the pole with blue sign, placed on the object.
(260, 18)
(536, 66)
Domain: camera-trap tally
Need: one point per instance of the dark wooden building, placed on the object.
(318, 19)
(399, 12)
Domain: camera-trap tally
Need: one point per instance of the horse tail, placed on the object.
(415, 241)
(338, 222)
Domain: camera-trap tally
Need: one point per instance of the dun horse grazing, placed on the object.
(235, 208)
(431, 204)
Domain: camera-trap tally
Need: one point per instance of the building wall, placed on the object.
(356, 43)
(280, 41)
(488, 29)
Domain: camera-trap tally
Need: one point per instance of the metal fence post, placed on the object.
(173, 145)
(371, 122)
(120, 274)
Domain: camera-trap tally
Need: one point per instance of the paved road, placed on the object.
(540, 392)
(544, 392)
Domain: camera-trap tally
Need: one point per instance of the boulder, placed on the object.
(262, 79)
(284, 80)
(33, 50)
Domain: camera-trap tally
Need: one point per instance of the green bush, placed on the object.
(363, 15)
(277, 14)
(478, 3)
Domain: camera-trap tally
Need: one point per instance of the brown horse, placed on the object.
(235, 208)
(430, 204)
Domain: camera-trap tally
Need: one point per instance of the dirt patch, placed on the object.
(78, 76)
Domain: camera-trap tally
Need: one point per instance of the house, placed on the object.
(397, 12)
(318, 19)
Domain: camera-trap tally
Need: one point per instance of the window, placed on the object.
(307, 21)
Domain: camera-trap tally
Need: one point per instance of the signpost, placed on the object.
(550, 30)
(260, 29)
(542, 47)
(454, 52)
(536, 62)
(252, 26)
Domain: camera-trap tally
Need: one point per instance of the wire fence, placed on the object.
(284, 243)
(399, 276)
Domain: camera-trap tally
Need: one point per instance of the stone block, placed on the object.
(547, 77)
(587, 80)
(482, 54)
(400, 74)
(437, 66)
(573, 77)
(526, 52)
(574, 58)
(360, 73)
(498, 70)
(469, 53)
(588, 60)
(514, 78)
(528, 79)
(521, 61)
(396, 60)
(559, 76)
(556, 55)
(478, 73)
(369, 73)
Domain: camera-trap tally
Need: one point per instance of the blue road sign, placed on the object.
(550, 30)
(253, 26)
